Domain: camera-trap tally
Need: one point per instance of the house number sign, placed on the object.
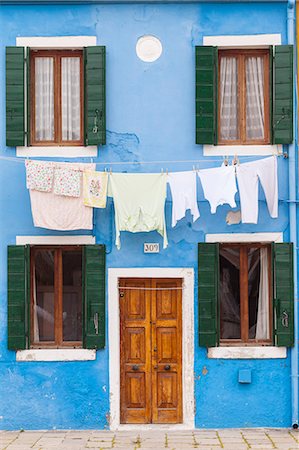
(151, 248)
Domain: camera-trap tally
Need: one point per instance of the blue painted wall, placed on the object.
(150, 117)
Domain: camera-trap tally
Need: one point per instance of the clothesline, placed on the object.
(116, 163)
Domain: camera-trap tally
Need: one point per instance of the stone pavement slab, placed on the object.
(155, 439)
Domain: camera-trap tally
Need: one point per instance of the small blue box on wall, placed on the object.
(245, 376)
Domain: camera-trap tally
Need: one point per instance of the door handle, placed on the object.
(167, 367)
(135, 367)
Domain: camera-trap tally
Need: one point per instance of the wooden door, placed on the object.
(150, 350)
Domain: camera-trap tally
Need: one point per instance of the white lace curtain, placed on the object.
(44, 99)
(254, 80)
(228, 99)
(70, 99)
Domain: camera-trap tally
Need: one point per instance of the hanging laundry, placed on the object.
(183, 191)
(59, 212)
(139, 201)
(219, 186)
(95, 188)
(67, 182)
(39, 175)
(248, 175)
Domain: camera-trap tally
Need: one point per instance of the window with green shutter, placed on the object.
(64, 94)
(64, 304)
(244, 96)
(245, 294)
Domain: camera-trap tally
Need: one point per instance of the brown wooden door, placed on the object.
(150, 350)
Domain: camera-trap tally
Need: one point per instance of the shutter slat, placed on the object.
(95, 95)
(18, 290)
(94, 267)
(206, 94)
(15, 95)
(282, 119)
(283, 294)
(208, 281)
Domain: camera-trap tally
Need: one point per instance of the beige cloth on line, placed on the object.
(56, 212)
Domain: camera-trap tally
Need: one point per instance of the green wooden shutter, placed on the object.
(94, 278)
(206, 62)
(208, 282)
(95, 95)
(15, 96)
(18, 296)
(283, 291)
(282, 119)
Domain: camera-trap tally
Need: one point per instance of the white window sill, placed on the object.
(72, 354)
(58, 152)
(242, 150)
(247, 352)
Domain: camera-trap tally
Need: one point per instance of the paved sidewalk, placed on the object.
(230, 439)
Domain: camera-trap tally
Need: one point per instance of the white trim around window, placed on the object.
(244, 41)
(250, 41)
(259, 352)
(55, 240)
(187, 341)
(57, 42)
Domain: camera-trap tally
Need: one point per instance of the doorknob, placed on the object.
(135, 367)
(167, 367)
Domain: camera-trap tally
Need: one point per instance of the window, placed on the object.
(56, 88)
(245, 294)
(245, 303)
(56, 296)
(244, 97)
(55, 97)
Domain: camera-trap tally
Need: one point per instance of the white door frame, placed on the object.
(187, 274)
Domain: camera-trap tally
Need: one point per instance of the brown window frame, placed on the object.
(56, 55)
(58, 298)
(244, 302)
(241, 56)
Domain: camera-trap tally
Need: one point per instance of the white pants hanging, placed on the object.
(248, 176)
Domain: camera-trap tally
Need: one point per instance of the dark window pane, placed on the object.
(72, 295)
(230, 293)
(43, 296)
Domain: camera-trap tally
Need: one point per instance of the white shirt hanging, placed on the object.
(183, 191)
(219, 186)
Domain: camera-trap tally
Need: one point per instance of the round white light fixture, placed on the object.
(148, 48)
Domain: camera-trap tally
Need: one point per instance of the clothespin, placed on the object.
(110, 170)
(167, 172)
(236, 160)
(225, 160)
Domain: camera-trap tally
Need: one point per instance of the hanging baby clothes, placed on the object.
(248, 175)
(95, 189)
(59, 212)
(183, 191)
(139, 201)
(219, 186)
(67, 182)
(39, 175)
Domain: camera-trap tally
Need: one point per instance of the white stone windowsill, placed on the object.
(59, 151)
(242, 150)
(72, 354)
(247, 352)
